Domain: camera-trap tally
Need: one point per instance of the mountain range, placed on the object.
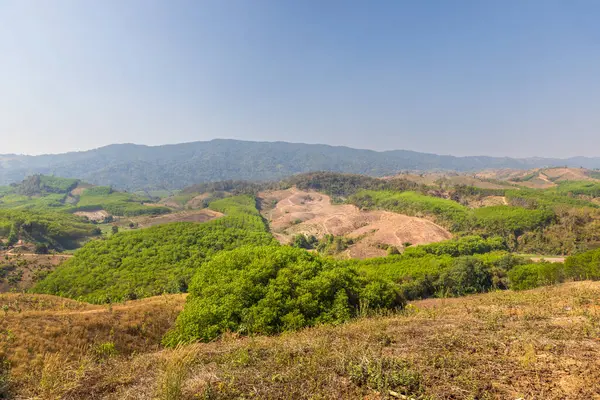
(139, 167)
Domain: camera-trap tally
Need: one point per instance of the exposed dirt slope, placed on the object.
(19, 271)
(312, 213)
(97, 216)
(539, 178)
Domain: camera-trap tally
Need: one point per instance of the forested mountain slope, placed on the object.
(134, 167)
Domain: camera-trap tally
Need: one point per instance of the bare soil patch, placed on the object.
(311, 213)
(538, 178)
(181, 216)
(197, 201)
(23, 268)
(97, 216)
(489, 201)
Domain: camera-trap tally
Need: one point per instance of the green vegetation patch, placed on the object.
(446, 211)
(266, 290)
(508, 220)
(578, 267)
(116, 203)
(56, 229)
(156, 260)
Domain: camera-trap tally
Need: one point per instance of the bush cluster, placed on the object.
(266, 290)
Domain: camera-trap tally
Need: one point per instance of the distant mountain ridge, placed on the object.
(136, 167)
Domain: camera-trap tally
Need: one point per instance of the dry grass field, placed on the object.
(23, 268)
(539, 344)
(311, 213)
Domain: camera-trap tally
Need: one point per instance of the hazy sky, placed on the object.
(514, 77)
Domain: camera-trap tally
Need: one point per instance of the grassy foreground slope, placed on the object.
(533, 344)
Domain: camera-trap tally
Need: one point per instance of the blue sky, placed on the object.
(515, 78)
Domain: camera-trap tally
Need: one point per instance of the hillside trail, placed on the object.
(12, 253)
(106, 309)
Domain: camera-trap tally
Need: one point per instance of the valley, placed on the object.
(320, 285)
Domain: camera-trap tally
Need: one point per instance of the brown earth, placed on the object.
(489, 201)
(198, 200)
(549, 259)
(26, 267)
(81, 187)
(543, 178)
(97, 216)
(451, 179)
(181, 216)
(311, 213)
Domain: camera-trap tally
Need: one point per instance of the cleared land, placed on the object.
(312, 213)
(539, 344)
(97, 216)
(451, 178)
(181, 216)
(19, 272)
(539, 178)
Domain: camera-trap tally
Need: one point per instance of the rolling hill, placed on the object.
(541, 343)
(138, 167)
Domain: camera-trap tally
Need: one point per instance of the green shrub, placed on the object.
(467, 275)
(266, 290)
(105, 350)
(529, 276)
(463, 246)
(430, 275)
(511, 221)
(584, 266)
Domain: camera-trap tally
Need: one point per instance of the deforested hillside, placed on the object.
(311, 213)
(135, 167)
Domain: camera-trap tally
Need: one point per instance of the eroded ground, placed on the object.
(292, 211)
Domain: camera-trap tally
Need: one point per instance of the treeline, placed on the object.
(37, 185)
(584, 266)
(235, 187)
(54, 229)
(337, 185)
(507, 221)
(343, 185)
